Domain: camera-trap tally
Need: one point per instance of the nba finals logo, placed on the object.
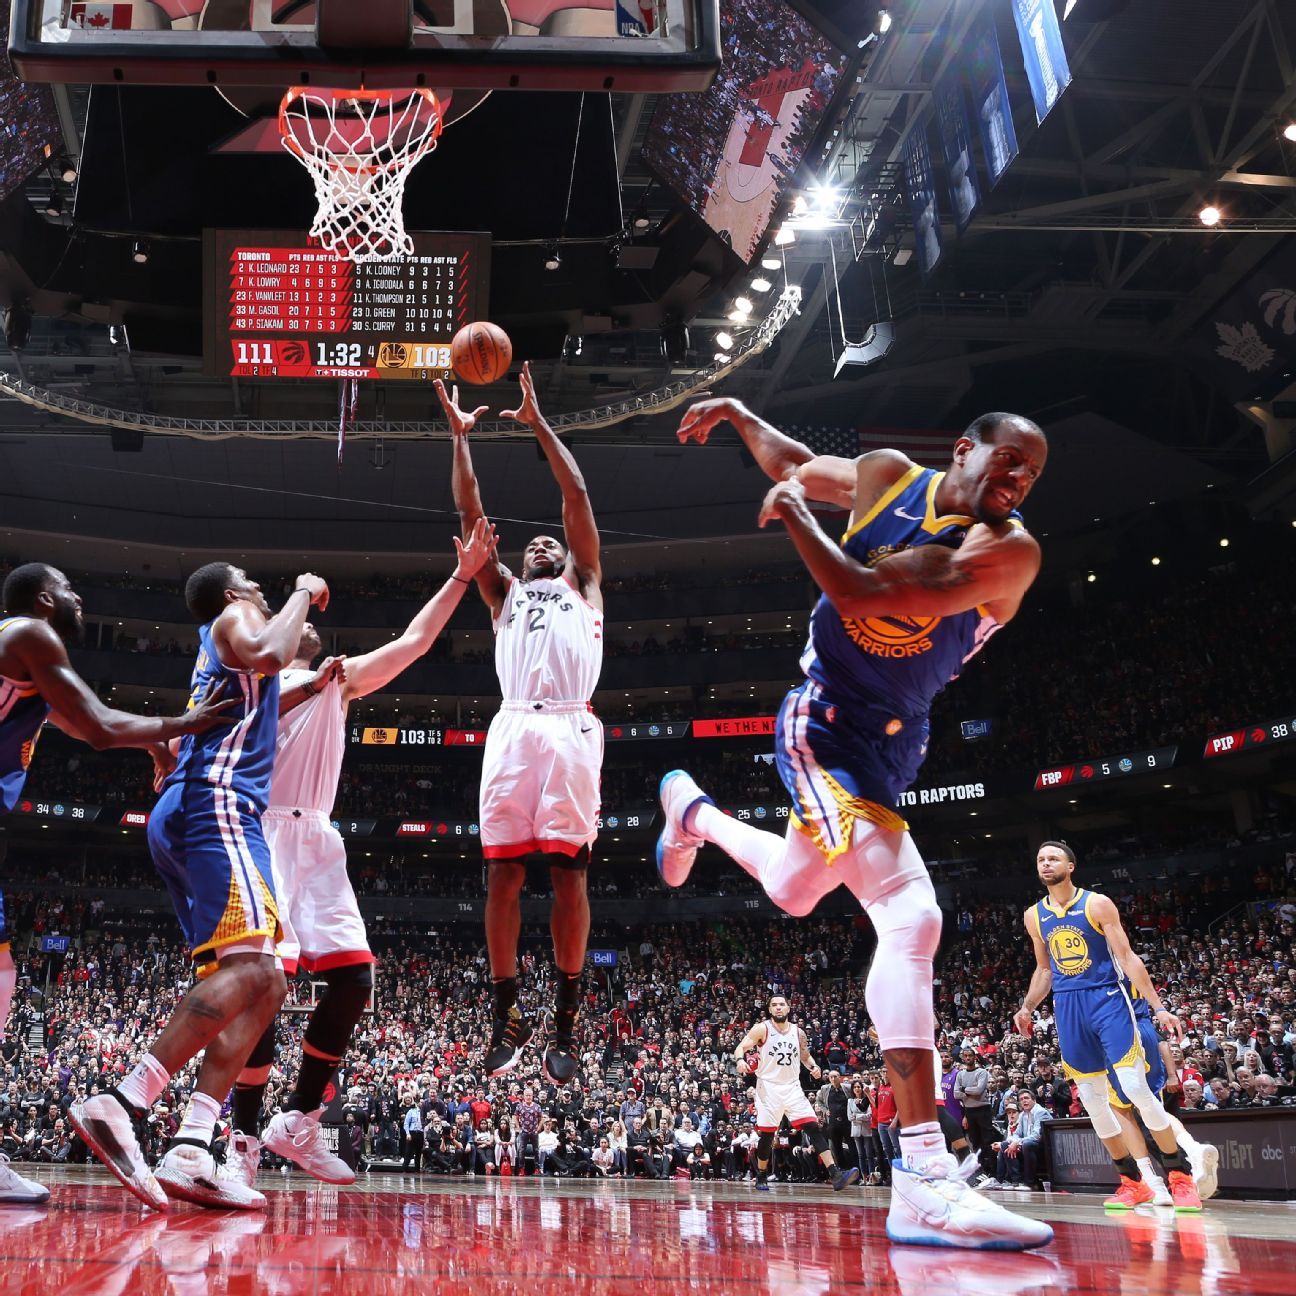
(1070, 951)
(892, 636)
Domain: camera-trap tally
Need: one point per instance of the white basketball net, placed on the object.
(359, 147)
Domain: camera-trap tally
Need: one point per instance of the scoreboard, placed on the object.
(1094, 771)
(278, 306)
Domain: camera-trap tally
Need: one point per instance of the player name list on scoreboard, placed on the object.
(280, 307)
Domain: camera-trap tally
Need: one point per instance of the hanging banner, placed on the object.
(989, 91)
(1042, 49)
(920, 185)
(956, 148)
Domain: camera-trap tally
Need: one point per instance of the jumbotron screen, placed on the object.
(278, 306)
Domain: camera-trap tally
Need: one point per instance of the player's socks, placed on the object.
(245, 1114)
(312, 1080)
(755, 850)
(567, 1002)
(920, 1143)
(1128, 1167)
(1174, 1161)
(199, 1121)
(144, 1085)
(506, 992)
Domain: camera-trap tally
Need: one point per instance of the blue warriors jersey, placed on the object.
(22, 713)
(239, 755)
(898, 662)
(1077, 947)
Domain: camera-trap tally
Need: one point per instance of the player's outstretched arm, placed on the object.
(247, 640)
(1103, 910)
(371, 671)
(492, 578)
(579, 527)
(1041, 981)
(753, 1039)
(994, 566)
(79, 713)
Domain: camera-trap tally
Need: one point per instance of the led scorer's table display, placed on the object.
(279, 307)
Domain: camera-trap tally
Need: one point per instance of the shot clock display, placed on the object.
(278, 306)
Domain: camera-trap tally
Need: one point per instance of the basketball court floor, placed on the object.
(401, 1235)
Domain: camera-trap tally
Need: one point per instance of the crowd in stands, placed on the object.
(657, 1093)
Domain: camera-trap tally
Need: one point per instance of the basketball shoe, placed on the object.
(296, 1136)
(560, 1059)
(509, 1036)
(676, 848)
(1129, 1193)
(242, 1159)
(937, 1206)
(106, 1123)
(843, 1178)
(1204, 1160)
(188, 1171)
(1184, 1192)
(14, 1188)
(1160, 1193)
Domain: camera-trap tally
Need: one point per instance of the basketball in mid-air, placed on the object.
(481, 352)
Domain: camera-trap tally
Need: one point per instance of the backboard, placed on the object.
(627, 45)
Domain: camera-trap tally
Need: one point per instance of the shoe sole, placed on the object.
(287, 1154)
(553, 1079)
(105, 1158)
(661, 839)
(12, 1199)
(513, 1061)
(849, 1177)
(197, 1196)
(1210, 1172)
(988, 1244)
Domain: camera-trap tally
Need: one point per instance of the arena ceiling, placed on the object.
(1074, 297)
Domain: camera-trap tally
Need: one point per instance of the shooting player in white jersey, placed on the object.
(544, 750)
(781, 1051)
(322, 928)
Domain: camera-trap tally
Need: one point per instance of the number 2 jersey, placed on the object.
(548, 643)
(22, 713)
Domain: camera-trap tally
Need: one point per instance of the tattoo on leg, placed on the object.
(905, 1062)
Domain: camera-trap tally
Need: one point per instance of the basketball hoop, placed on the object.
(359, 147)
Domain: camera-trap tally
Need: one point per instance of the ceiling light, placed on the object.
(1289, 131)
(1209, 216)
(799, 205)
(739, 317)
(826, 197)
(553, 259)
(784, 237)
(743, 304)
(761, 284)
(883, 22)
(1224, 542)
(1156, 562)
(771, 263)
(140, 251)
(641, 222)
(1091, 578)
(903, 256)
(724, 340)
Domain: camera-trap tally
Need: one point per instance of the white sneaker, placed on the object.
(297, 1136)
(242, 1160)
(1203, 1161)
(677, 849)
(104, 1123)
(1160, 1193)
(938, 1207)
(14, 1188)
(189, 1172)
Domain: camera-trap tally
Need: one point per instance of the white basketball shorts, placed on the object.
(540, 780)
(774, 1101)
(322, 927)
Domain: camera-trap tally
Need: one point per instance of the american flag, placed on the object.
(923, 446)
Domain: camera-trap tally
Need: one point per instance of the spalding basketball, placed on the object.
(481, 353)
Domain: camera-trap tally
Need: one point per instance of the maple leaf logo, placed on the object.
(1244, 346)
(99, 19)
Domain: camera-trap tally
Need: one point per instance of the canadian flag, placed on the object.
(97, 17)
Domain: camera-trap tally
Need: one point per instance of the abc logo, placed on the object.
(1271, 1153)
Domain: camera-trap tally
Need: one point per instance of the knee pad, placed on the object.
(1093, 1095)
(1133, 1082)
(764, 1148)
(345, 995)
(898, 992)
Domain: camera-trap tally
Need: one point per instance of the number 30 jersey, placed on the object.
(548, 643)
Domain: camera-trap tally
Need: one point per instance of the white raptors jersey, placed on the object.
(309, 748)
(548, 643)
(780, 1056)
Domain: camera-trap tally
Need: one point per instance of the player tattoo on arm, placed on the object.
(904, 1062)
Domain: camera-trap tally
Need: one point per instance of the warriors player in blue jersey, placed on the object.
(37, 683)
(1081, 952)
(930, 566)
(206, 839)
